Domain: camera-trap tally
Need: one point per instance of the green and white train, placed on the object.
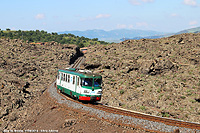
(81, 84)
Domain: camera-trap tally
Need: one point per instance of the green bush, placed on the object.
(121, 91)
(43, 36)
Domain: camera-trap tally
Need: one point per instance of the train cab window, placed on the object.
(97, 82)
(87, 81)
(73, 79)
(68, 79)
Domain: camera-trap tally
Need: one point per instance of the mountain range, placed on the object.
(113, 35)
(124, 34)
(192, 30)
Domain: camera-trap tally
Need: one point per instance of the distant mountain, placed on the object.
(124, 34)
(148, 37)
(113, 35)
(192, 30)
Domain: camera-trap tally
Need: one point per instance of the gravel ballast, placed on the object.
(127, 120)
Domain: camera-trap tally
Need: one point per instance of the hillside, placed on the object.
(148, 37)
(26, 70)
(192, 30)
(44, 37)
(155, 76)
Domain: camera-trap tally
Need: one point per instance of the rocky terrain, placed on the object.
(25, 72)
(155, 76)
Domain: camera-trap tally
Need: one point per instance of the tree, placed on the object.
(30, 39)
(63, 41)
(71, 35)
(95, 39)
(54, 33)
(10, 35)
(7, 29)
(81, 45)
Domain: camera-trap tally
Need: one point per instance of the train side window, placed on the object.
(78, 81)
(68, 78)
(61, 76)
(73, 79)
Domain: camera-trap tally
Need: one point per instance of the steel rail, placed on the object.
(78, 62)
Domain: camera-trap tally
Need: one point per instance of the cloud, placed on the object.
(134, 2)
(39, 16)
(99, 16)
(141, 24)
(121, 26)
(193, 22)
(103, 16)
(124, 26)
(174, 15)
(139, 2)
(190, 2)
(131, 26)
(148, 1)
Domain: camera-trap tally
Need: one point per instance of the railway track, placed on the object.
(125, 117)
(78, 62)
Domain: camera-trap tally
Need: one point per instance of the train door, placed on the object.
(78, 86)
(58, 79)
(72, 83)
(61, 79)
(64, 80)
(68, 81)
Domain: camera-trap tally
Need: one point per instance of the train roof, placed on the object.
(81, 73)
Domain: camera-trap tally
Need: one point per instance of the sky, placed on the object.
(68, 15)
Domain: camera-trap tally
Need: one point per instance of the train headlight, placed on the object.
(86, 91)
(99, 92)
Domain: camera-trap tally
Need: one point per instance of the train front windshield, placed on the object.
(97, 82)
(90, 82)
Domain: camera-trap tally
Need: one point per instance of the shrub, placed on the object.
(142, 107)
(121, 91)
